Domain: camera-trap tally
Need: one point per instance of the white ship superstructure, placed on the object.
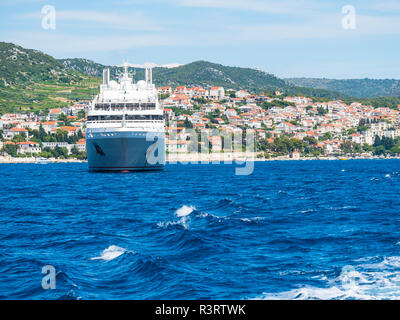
(125, 126)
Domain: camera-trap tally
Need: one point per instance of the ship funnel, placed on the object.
(106, 76)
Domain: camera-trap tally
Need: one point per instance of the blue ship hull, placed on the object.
(125, 151)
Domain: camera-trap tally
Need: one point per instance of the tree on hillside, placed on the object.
(74, 150)
(64, 118)
(187, 123)
(20, 137)
(310, 141)
(10, 149)
(326, 136)
(81, 114)
(322, 111)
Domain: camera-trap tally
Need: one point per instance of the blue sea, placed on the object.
(290, 230)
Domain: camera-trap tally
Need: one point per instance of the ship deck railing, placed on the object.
(122, 106)
(125, 109)
(126, 121)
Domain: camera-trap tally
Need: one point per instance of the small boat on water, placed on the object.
(42, 161)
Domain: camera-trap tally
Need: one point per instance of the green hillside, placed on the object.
(86, 66)
(22, 66)
(206, 74)
(200, 73)
(365, 88)
(32, 81)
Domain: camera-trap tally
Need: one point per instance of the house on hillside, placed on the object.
(10, 133)
(28, 147)
(217, 93)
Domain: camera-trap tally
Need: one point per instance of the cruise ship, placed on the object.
(125, 126)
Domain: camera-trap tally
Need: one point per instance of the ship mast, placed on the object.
(126, 66)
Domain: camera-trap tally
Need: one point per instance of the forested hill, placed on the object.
(206, 74)
(31, 80)
(201, 73)
(21, 66)
(364, 88)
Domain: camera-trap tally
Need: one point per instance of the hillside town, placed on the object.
(285, 127)
(58, 134)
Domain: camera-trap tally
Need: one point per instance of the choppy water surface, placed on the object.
(291, 230)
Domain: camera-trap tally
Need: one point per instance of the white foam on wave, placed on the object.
(168, 223)
(341, 208)
(110, 253)
(205, 215)
(308, 210)
(369, 281)
(184, 211)
(253, 219)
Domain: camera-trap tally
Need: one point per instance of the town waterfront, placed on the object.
(291, 229)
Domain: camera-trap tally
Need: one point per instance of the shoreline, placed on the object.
(34, 160)
(203, 159)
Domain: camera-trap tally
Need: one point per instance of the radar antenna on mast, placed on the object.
(126, 65)
(147, 66)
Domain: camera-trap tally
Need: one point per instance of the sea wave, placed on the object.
(110, 253)
(184, 211)
(230, 237)
(189, 214)
(368, 281)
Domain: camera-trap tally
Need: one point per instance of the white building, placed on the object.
(216, 143)
(217, 93)
(176, 146)
(53, 145)
(28, 147)
(242, 94)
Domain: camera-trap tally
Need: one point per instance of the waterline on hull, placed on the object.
(124, 153)
(126, 169)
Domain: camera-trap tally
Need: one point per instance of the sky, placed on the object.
(288, 38)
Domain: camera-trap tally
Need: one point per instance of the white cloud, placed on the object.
(323, 27)
(155, 65)
(250, 5)
(19, 2)
(385, 6)
(214, 32)
(262, 6)
(57, 44)
(132, 21)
